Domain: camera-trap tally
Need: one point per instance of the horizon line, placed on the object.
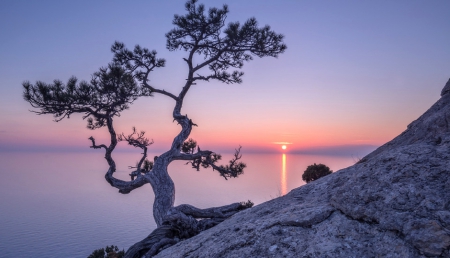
(336, 150)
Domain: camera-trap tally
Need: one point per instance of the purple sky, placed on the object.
(355, 72)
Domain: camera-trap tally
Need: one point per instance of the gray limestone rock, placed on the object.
(446, 89)
(395, 202)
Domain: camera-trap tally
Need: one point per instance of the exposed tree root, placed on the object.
(183, 222)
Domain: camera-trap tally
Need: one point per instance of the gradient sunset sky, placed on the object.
(355, 73)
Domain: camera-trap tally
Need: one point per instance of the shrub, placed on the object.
(316, 171)
(108, 252)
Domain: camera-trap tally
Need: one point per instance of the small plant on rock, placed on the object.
(314, 172)
(108, 252)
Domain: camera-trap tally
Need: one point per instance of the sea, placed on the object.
(58, 204)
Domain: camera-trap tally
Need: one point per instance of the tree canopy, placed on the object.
(315, 171)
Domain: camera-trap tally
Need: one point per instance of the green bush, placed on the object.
(107, 252)
(314, 172)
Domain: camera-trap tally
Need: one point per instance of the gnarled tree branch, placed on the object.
(139, 62)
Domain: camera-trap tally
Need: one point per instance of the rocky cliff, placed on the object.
(395, 202)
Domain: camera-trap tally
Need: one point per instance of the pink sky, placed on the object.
(354, 73)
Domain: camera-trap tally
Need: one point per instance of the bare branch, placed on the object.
(96, 146)
(125, 186)
(137, 179)
(138, 140)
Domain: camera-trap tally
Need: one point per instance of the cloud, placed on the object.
(357, 151)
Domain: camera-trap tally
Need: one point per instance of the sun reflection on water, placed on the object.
(283, 177)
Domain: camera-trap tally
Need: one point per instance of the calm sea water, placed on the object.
(59, 204)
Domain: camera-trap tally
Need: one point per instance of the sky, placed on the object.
(355, 73)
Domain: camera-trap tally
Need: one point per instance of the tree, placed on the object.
(314, 172)
(213, 50)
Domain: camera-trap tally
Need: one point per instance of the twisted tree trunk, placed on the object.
(184, 221)
(163, 188)
(173, 223)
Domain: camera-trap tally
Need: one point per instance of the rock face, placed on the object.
(446, 89)
(395, 202)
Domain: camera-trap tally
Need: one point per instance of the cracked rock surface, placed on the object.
(395, 202)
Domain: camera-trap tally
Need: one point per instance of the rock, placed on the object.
(395, 202)
(446, 89)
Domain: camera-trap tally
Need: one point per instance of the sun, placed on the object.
(283, 147)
